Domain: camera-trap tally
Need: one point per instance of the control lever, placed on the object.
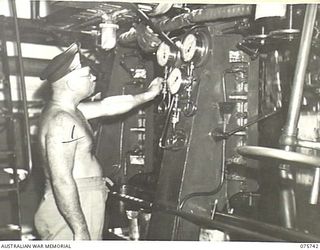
(218, 135)
(253, 53)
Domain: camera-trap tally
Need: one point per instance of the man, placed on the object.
(73, 205)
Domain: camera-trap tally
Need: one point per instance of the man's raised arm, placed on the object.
(120, 104)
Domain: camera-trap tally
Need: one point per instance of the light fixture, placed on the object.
(270, 10)
(108, 33)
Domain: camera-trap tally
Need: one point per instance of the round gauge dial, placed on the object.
(163, 54)
(189, 47)
(174, 81)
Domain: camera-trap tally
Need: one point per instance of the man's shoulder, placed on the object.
(57, 117)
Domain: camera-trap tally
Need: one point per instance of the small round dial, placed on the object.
(189, 47)
(174, 81)
(163, 54)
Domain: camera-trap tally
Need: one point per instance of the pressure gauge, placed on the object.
(163, 54)
(196, 46)
(174, 81)
(189, 47)
(167, 56)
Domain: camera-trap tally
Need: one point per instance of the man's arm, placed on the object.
(120, 104)
(61, 144)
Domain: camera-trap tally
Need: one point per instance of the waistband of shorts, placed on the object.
(88, 182)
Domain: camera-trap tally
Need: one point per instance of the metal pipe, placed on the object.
(230, 223)
(220, 185)
(122, 161)
(205, 15)
(287, 195)
(315, 187)
(308, 144)
(35, 9)
(155, 28)
(23, 89)
(224, 87)
(42, 26)
(244, 226)
(222, 175)
(193, 17)
(290, 127)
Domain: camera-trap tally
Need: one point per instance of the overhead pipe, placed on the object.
(42, 26)
(194, 17)
(154, 27)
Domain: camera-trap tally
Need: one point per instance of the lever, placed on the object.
(218, 135)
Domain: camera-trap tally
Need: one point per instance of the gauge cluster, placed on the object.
(193, 46)
(192, 51)
(180, 84)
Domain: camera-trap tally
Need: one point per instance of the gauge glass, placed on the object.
(189, 47)
(163, 54)
(174, 81)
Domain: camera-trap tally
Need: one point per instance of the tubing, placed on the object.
(193, 17)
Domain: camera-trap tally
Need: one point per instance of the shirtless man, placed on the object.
(73, 205)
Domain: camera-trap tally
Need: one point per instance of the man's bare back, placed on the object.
(66, 128)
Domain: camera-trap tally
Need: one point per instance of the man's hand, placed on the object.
(155, 86)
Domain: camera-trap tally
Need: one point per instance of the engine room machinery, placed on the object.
(229, 149)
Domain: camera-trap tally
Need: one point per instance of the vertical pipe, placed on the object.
(33, 9)
(287, 195)
(22, 87)
(301, 65)
(315, 187)
(10, 130)
(123, 159)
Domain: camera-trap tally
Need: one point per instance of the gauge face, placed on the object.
(174, 81)
(189, 47)
(163, 54)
